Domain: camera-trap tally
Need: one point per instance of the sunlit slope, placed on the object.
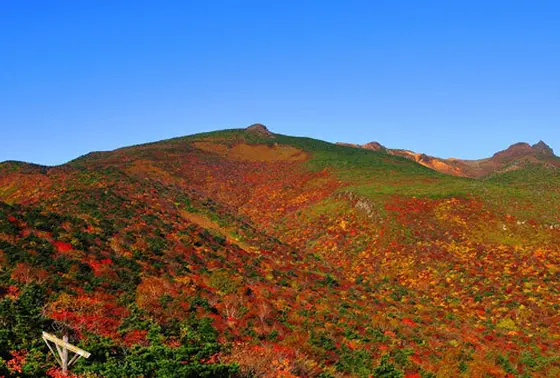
(304, 257)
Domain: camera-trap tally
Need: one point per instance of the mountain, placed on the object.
(249, 253)
(517, 156)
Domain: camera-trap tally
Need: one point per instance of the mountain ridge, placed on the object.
(516, 156)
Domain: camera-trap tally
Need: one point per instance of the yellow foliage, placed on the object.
(249, 152)
(507, 324)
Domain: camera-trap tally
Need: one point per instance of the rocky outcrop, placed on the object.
(373, 146)
(360, 203)
(259, 128)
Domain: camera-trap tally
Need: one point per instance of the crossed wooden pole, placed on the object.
(62, 347)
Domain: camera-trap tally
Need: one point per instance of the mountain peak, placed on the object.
(542, 148)
(524, 149)
(259, 128)
(375, 146)
(513, 151)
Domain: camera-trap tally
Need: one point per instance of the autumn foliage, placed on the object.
(231, 254)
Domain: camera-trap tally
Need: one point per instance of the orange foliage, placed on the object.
(24, 273)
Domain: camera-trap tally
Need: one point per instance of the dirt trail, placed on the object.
(209, 224)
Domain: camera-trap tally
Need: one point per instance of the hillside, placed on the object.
(247, 253)
(516, 157)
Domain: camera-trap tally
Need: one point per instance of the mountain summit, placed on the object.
(514, 151)
(543, 148)
(540, 150)
(259, 128)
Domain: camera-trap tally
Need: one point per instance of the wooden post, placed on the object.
(62, 347)
(64, 356)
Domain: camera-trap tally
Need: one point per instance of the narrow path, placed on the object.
(209, 224)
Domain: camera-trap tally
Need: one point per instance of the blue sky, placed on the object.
(448, 78)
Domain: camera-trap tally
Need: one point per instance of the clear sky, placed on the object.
(448, 78)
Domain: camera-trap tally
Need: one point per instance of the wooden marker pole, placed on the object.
(62, 347)
(64, 356)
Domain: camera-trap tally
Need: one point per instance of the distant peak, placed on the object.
(519, 146)
(375, 146)
(518, 150)
(259, 128)
(515, 150)
(542, 148)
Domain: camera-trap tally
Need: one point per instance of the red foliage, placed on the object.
(409, 322)
(62, 246)
(173, 344)
(416, 359)
(95, 314)
(390, 333)
(13, 292)
(23, 273)
(56, 372)
(15, 365)
(136, 337)
(99, 267)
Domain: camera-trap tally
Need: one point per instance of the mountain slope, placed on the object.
(282, 255)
